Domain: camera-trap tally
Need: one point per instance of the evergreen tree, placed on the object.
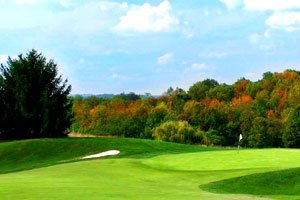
(1, 104)
(34, 98)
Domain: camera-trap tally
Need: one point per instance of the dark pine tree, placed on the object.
(34, 99)
(1, 105)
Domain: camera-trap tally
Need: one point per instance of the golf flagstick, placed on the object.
(240, 138)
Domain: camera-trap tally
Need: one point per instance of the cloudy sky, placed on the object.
(117, 46)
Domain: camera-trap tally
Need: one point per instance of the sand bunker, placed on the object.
(105, 153)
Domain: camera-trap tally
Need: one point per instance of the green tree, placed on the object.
(155, 118)
(294, 95)
(291, 135)
(169, 92)
(275, 131)
(131, 96)
(213, 117)
(259, 135)
(35, 98)
(200, 89)
(261, 103)
(176, 131)
(267, 75)
(1, 105)
(192, 112)
(222, 93)
(180, 97)
(213, 138)
(253, 88)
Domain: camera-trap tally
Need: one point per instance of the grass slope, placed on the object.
(29, 154)
(144, 170)
(282, 182)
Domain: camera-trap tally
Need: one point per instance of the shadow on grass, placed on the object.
(283, 182)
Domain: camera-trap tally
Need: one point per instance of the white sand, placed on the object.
(105, 153)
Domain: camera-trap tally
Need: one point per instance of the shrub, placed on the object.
(213, 138)
(176, 131)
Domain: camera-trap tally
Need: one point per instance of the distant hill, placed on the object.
(109, 96)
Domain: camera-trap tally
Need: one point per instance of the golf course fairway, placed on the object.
(144, 169)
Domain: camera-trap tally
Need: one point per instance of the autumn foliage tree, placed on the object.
(263, 111)
(34, 99)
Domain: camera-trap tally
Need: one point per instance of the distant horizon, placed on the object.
(101, 94)
(148, 46)
(143, 93)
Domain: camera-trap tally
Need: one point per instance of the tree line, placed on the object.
(266, 112)
(35, 103)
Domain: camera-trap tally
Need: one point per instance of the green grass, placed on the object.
(30, 154)
(144, 170)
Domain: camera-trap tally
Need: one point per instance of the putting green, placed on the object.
(228, 160)
(164, 176)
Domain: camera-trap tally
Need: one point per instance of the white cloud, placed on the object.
(231, 4)
(148, 18)
(90, 17)
(86, 20)
(164, 59)
(289, 21)
(271, 5)
(3, 58)
(284, 13)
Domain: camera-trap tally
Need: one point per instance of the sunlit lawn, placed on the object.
(144, 170)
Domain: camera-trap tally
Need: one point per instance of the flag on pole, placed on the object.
(241, 137)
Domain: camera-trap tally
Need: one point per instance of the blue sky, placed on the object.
(148, 46)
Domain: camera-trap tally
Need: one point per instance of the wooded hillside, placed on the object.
(265, 112)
